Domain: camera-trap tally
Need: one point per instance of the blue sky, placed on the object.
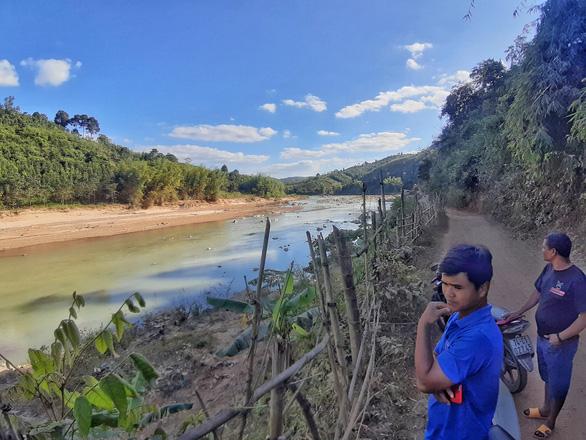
(285, 88)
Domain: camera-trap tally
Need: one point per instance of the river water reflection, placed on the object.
(168, 267)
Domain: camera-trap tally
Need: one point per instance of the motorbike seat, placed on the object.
(498, 312)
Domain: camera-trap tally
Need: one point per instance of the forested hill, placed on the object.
(42, 162)
(395, 170)
(516, 137)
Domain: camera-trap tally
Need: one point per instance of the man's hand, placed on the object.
(553, 339)
(512, 316)
(434, 311)
(444, 396)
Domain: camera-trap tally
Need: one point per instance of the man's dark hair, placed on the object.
(560, 242)
(474, 261)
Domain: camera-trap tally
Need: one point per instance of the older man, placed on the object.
(560, 292)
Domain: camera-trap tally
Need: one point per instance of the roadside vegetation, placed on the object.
(515, 139)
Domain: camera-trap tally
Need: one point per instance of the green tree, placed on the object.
(62, 118)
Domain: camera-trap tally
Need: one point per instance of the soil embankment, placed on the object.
(516, 266)
(36, 226)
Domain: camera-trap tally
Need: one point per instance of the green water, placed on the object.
(169, 267)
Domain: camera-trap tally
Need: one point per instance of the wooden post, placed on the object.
(225, 415)
(327, 323)
(417, 215)
(352, 312)
(364, 187)
(374, 234)
(382, 216)
(279, 357)
(331, 305)
(402, 213)
(255, 322)
(397, 232)
(382, 193)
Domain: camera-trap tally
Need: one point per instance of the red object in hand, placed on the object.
(457, 390)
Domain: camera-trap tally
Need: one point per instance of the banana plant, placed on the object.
(291, 311)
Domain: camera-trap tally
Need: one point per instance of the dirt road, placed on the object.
(516, 266)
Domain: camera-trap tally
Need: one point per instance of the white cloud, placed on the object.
(373, 142)
(417, 49)
(413, 65)
(208, 156)
(223, 133)
(433, 95)
(327, 133)
(8, 75)
(269, 107)
(461, 76)
(408, 106)
(295, 153)
(51, 72)
(311, 102)
(309, 167)
(287, 134)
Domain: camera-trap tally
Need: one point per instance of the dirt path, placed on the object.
(516, 266)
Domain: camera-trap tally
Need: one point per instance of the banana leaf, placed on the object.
(242, 341)
(305, 320)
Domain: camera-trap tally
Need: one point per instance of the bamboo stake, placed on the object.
(356, 407)
(226, 415)
(333, 311)
(278, 364)
(327, 323)
(402, 213)
(306, 409)
(364, 212)
(374, 230)
(382, 193)
(336, 333)
(206, 413)
(352, 311)
(381, 215)
(256, 321)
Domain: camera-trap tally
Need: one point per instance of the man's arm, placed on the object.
(529, 304)
(429, 375)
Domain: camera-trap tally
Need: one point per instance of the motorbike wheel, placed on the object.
(513, 374)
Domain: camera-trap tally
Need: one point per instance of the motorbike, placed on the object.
(519, 352)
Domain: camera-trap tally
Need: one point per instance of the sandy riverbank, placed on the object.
(35, 226)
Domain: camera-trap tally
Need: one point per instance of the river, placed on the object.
(169, 267)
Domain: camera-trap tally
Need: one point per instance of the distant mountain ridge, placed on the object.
(349, 180)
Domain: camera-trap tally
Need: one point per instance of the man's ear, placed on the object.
(483, 290)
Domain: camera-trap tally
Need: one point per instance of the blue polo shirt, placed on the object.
(470, 352)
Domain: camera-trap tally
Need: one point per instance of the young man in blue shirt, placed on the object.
(469, 355)
(560, 292)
